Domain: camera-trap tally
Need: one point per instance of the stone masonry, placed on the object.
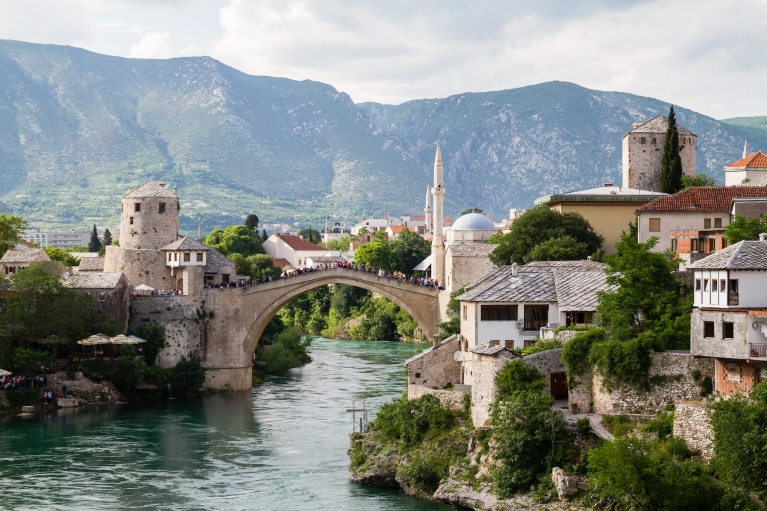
(452, 399)
(436, 366)
(691, 422)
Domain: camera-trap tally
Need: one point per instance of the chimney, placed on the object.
(588, 258)
(199, 231)
(513, 269)
(175, 191)
(763, 236)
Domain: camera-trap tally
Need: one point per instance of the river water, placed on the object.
(280, 447)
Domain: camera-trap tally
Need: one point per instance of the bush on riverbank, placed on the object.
(411, 420)
(287, 352)
(23, 397)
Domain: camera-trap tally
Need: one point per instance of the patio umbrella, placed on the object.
(3, 372)
(143, 287)
(94, 340)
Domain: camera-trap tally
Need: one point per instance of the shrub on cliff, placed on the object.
(154, 334)
(187, 376)
(287, 352)
(515, 377)
(412, 420)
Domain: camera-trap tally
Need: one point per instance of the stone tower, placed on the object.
(438, 243)
(149, 217)
(643, 152)
(427, 210)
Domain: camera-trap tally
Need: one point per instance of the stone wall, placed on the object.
(453, 399)
(150, 229)
(691, 422)
(140, 267)
(547, 362)
(483, 389)
(642, 162)
(581, 395)
(671, 381)
(436, 367)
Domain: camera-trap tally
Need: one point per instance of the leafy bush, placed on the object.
(622, 363)
(411, 420)
(23, 397)
(287, 352)
(28, 361)
(154, 334)
(576, 353)
(515, 376)
(539, 346)
(187, 376)
(583, 426)
(427, 472)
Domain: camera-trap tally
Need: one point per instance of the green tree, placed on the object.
(251, 222)
(340, 244)
(671, 161)
(515, 376)
(11, 228)
(565, 248)
(94, 245)
(698, 180)
(264, 236)
(288, 351)
(376, 253)
(154, 335)
(107, 239)
(409, 249)
(310, 235)
(28, 361)
(742, 228)
(539, 225)
(64, 257)
(453, 325)
(471, 210)
(187, 376)
(235, 239)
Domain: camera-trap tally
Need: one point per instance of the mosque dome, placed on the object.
(473, 222)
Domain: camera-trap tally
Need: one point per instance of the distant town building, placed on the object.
(334, 232)
(393, 231)
(609, 209)
(752, 168)
(643, 151)
(60, 239)
(293, 249)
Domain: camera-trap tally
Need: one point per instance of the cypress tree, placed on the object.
(264, 236)
(671, 164)
(94, 245)
(107, 239)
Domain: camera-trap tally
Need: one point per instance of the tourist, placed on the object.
(64, 391)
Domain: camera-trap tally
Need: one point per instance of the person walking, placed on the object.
(64, 391)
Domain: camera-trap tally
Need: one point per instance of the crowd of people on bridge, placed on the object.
(380, 272)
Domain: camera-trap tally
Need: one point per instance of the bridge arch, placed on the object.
(265, 300)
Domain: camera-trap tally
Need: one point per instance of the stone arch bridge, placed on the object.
(223, 326)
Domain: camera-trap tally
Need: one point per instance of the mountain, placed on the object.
(506, 148)
(78, 128)
(755, 127)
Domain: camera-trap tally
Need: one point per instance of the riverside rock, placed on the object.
(566, 486)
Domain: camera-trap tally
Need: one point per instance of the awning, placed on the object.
(103, 339)
(143, 287)
(423, 265)
(3, 372)
(95, 339)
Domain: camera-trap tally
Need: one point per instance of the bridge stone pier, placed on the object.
(223, 326)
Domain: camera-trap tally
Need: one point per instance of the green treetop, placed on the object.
(264, 236)
(310, 235)
(94, 245)
(10, 231)
(107, 238)
(251, 222)
(409, 249)
(376, 253)
(671, 163)
(563, 236)
(471, 210)
(742, 228)
(235, 239)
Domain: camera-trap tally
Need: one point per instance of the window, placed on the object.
(642, 140)
(705, 284)
(162, 207)
(714, 283)
(102, 297)
(417, 375)
(138, 207)
(131, 222)
(733, 285)
(712, 244)
(187, 257)
(673, 245)
(718, 223)
(170, 257)
(498, 312)
(536, 316)
(733, 372)
(465, 311)
(654, 141)
(694, 245)
(724, 242)
(529, 342)
(707, 223)
(655, 225)
(708, 329)
(729, 330)
(175, 256)
(509, 343)
(722, 285)
(199, 257)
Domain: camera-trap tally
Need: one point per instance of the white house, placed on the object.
(729, 319)
(292, 248)
(750, 167)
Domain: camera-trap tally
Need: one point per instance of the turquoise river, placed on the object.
(280, 447)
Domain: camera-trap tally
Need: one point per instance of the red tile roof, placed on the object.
(704, 198)
(755, 160)
(398, 228)
(281, 263)
(297, 243)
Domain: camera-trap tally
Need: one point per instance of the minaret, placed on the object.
(327, 223)
(438, 244)
(745, 149)
(427, 211)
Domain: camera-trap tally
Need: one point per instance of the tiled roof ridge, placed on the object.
(664, 122)
(707, 198)
(758, 159)
(740, 246)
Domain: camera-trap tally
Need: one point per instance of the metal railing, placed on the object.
(757, 349)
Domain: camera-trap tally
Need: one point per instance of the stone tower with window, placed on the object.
(643, 152)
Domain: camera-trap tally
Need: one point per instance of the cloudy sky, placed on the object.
(708, 55)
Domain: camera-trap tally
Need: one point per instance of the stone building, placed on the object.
(18, 258)
(111, 292)
(643, 151)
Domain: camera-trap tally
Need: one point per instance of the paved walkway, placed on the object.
(595, 420)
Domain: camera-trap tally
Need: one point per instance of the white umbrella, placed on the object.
(124, 339)
(143, 287)
(3, 372)
(95, 339)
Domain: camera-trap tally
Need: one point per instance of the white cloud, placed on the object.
(153, 45)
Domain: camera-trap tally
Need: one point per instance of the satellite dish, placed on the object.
(458, 356)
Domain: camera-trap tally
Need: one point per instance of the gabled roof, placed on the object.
(297, 243)
(92, 280)
(398, 228)
(91, 264)
(577, 290)
(486, 348)
(28, 255)
(186, 243)
(756, 160)
(150, 189)
(703, 198)
(472, 249)
(744, 255)
(757, 181)
(659, 124)
(281, 263)
(583, 264)
(602, 194)
(501, 286)
(215, 260)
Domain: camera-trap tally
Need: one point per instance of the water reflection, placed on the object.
(281, 446)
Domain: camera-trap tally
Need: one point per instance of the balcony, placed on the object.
(732, 298)
(757, 349)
